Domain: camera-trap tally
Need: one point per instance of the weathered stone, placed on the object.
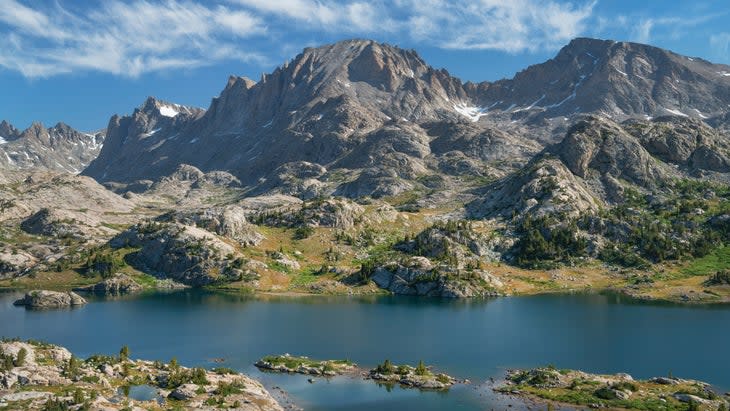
(50, 299)
(185, 392)
(116, 285)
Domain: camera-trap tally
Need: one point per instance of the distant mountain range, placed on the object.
(361, 118)
(59, 148)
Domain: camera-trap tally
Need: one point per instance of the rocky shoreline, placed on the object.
(550, 386)
(40, 376)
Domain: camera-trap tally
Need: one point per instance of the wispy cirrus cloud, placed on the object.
(132, 38)
(513, 26)
(644, 29)
(125, 39)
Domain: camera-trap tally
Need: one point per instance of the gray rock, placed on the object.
(185, 254)
(420, 277)
(683, 397)
(25, 396)
(116, 285)
(50, 299)
(185, 392)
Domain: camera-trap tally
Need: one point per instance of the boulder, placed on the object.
(683, 397)
(185, 392)
(50, 299)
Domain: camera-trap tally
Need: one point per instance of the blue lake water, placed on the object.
(474, 339)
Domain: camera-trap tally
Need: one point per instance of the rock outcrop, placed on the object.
(50, 299)
(118, 284)
(544, 186)
(186, 254)
(419, 276)
(228, 221)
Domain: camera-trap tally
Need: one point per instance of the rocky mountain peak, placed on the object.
(8, 132)
(620, 80)
(156, 108)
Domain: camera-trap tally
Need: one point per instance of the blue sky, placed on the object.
(81, 62)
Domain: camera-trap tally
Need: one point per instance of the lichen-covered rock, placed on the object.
(50, 299)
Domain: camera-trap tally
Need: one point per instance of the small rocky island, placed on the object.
(619, 391)
(420, 377)
(303, 365)
(40, 376)
(42, 299)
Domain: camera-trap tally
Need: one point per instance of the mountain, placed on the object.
(619, 80)
(360, 118)
(133, 140)
(59, 148)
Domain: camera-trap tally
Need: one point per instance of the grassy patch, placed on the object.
(306, 277)
(718, 259)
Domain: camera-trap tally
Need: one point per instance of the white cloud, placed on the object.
(130, 38)
(122, 38)
(341, 16)
(512, 26)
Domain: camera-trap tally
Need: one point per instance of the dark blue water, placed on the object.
(474, 339)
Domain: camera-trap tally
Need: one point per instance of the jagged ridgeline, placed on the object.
(357, 166)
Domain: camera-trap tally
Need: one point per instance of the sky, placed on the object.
(80, 62)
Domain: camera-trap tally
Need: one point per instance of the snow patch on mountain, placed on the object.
(470, 112)
(531, 105)
(699, 113)
(675, 112)
(3, 140)
(168, 111)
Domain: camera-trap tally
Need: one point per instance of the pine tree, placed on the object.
(124, 353)
(421, 369)
(22, 354)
